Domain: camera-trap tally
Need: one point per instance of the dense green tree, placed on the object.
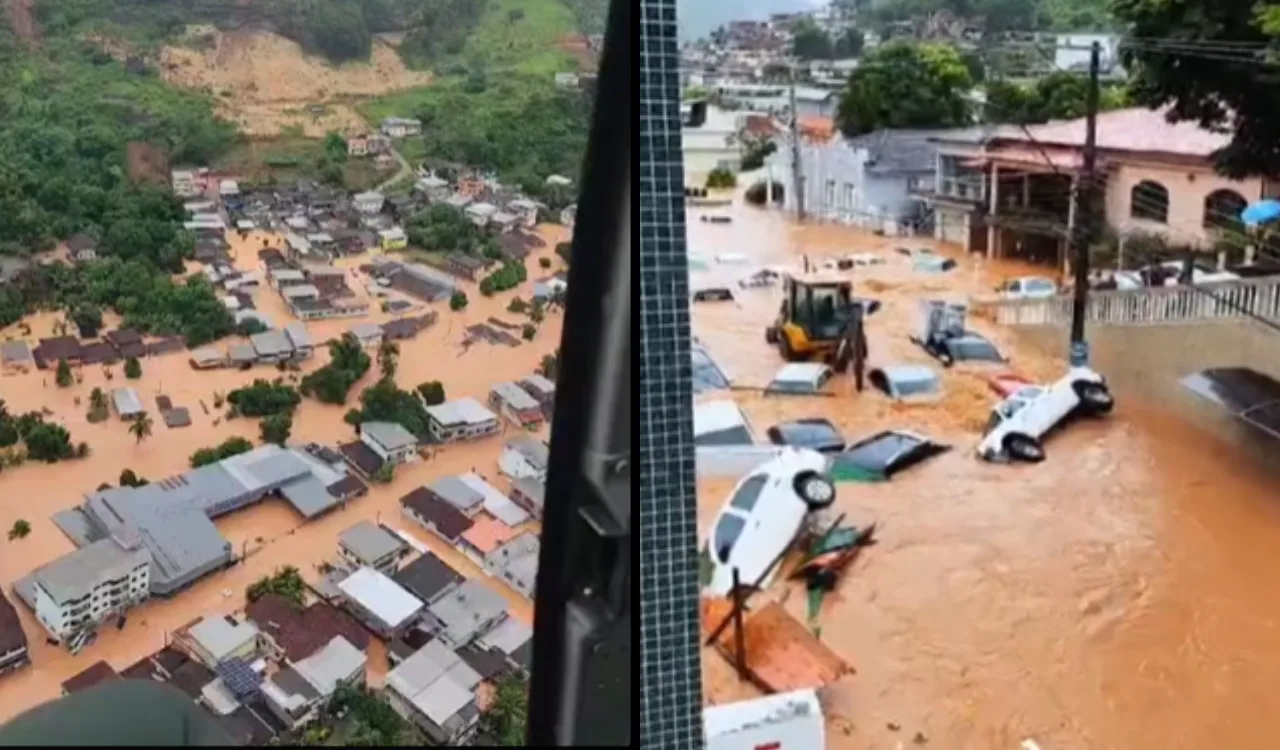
(48, 442)
(132, 368)
(88, 320)
(385, 402)
(1220, 90)
(264, 398)
(129, 479)
(507, 714)
(432, 392)
(286, 582)
(348, 362)
(276, 428)
(232, 446)
(19, 530)
(62, 375)
(808, 42)
(906, 85)
(458, 300)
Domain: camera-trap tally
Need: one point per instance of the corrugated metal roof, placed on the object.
(381, 596)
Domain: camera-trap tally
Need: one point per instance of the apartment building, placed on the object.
(461, 419)
(77, 591)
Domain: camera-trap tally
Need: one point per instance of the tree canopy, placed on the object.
(264, 398)
(1061, 95)
(232, 446)
(906, 85)
(285, 582)
(1221, 90)
(347, 364)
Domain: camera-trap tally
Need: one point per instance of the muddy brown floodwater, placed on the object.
(1119, 595)
(271, 533)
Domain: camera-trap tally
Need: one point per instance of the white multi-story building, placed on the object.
(96, 582)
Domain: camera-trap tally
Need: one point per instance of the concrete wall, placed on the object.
(1147, 362)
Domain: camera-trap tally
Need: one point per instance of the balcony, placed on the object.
(967, 189)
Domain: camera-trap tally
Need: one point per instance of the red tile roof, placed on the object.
(302, 632)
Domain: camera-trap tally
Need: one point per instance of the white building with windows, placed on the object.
(96, 582)
(461, 419)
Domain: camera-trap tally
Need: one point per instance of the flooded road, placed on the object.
(1118, 595)
(271, 533)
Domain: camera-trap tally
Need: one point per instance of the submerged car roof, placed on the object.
(883, 454)
(899, 373)
(1245, 393)
(807, 432)
(800, 377)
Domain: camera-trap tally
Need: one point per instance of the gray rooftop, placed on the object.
(508, 636)
(172, 516)
(75, 574)
(531, 488)
(365, 330)
(242, 353)
(466, 608)
(898, 151)
(534, 450)
(380, 596)
(370, 542)
(298, 335)
(330, 665)
(457, 493)
(460, 411)
(390, 435)
(126, 402)
(15, 352)
(287, 274)
(220, 637)
(515, 396)
(436, 681)
(300, 291)
(271, 343)
(540, 382)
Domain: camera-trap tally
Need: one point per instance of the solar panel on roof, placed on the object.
(239, 677)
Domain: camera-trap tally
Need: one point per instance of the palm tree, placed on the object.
(140, 428)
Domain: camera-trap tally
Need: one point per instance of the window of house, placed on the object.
(829, 196)
(849, 202)
(1222, 209)
(1149, 201)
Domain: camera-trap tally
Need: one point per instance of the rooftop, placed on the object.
(1136, 129)
(496, 503)
(540, 383)
(301, 632)
(172, 516)
(427, 576)
(76, 573)
(508, 636)
(370, 542)
(12, 637)
(447, 519)
(380, 596)
(271, 343)
(99, 671)
(487, 534)
(390, 435)
(463, 609)
(531, 488)
(221, 636)
(457, 493)
(460, 412)
(362, 457)
(436, 681)
(534, 450)
(333, 663)
(515, 396)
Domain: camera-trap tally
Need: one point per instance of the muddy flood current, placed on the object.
(1121, 594)
(271, 533)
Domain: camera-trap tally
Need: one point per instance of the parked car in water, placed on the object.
(713, 294)
(1169, 273)
(815, 434)
(880, 456)
(762, 516)
(1249, 396)
(1017, 426)
(910, 383)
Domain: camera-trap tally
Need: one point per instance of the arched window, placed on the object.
(1149, 200)
(1222, 209)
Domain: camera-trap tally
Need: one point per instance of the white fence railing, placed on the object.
(1180, 304)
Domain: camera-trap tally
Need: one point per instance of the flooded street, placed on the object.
(1118, 595)
(271, 532)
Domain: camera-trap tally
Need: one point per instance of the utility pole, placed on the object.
(797, 170)
(1082, 232)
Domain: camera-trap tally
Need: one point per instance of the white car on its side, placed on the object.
(1019, 423)
(761, 517)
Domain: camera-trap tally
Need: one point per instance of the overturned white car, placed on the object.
(1019, 423)
(763, 514)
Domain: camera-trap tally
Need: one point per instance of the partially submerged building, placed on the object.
(434, 689)
(511, 401)
(295, 692)
(524, 457)
(369, 545)
(173, 518)
(461, 419)
(379, 602)
(74, 593)
(467, 612)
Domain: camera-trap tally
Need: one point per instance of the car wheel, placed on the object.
(1024, 448)
(815, 490)
(1094, 397)
(771, 335)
